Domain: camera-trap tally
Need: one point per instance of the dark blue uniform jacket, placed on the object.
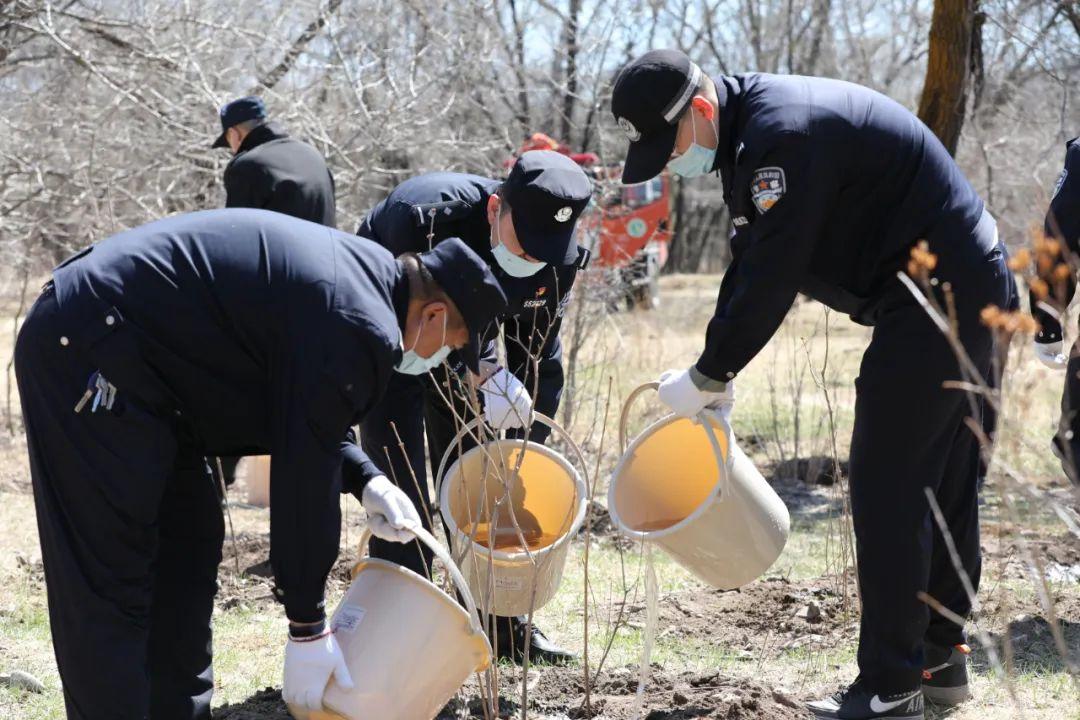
(1062, 222)
(829, 184)
(257, 333)
(429, 208)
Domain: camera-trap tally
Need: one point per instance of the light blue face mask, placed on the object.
(413, 364)
(513, 265)
(697, 160)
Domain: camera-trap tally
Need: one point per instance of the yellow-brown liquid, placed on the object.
(651, 525)
(506, 537)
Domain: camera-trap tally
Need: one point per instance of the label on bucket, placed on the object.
(505, 583)
(348, 618)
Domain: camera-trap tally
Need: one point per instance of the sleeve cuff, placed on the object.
(302, 608)
(356, 469)
(707, 384)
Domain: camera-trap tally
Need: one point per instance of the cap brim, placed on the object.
(556, 249)
(220, 142)
(647, 157)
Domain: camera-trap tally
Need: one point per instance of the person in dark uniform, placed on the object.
(272, 171)
(523, 228)
(830, 185)
(217, 332)
(1062, 223)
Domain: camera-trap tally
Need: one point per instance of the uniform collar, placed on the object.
(262, 134)
(729, 99)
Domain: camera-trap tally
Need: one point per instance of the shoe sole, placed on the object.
(920, 716)
(946, 695)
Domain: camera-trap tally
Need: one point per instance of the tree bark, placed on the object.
(570, 90)
(948, 70)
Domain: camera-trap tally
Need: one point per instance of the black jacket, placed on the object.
(443, 205)
(260, 334)
(275, 172)
(1062, 222)
(829, 184)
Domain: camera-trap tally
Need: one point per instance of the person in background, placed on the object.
(221, 332)
(1062, 224)
(830, 186)
(523, 228)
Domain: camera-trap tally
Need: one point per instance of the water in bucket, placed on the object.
(481, 496)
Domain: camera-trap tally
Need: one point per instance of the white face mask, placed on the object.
(513, 265)
(413, 364)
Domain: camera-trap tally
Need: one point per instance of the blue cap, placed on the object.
(238, 111)
(468, 282)
(547, 192)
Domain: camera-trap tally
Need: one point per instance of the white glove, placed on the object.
(678, 392)
(507, 403)
(391, 514)
(1050, 355)
(308, 666)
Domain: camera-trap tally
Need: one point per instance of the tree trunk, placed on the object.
(570, 91)
(948, 70)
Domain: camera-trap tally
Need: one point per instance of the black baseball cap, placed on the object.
(468, 282)
(547, 192)
(650, 96)
(238, 111)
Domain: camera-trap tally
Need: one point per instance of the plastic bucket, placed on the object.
(511, 508)
(409, 646)
(255, 469)
(686, 486)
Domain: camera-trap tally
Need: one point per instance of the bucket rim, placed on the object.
(579, 514)
(429, 586)
(703, 506)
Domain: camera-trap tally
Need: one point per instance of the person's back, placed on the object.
(277, 172)
(269, 282)
(889, 179)
(271, 170)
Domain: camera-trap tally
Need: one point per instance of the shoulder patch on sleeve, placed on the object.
(767, 186)
(1060, 183)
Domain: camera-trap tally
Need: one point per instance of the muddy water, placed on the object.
(651, 525)
(506, 537)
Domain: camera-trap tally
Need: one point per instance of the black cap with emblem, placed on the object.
(650, 96)
(468, 282)
(547, 192)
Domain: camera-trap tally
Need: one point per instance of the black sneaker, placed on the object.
(510, 644)
(859, 703)
(945, 679)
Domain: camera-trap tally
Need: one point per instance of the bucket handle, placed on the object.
(451, 567)
(543, 419)
(722, 466)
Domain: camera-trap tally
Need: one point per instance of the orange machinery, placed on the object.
(627, 228)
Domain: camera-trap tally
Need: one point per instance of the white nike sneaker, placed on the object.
(858, 702)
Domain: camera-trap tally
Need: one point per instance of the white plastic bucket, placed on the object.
(686, 486)
(533, 498)
(409, 646)
(255, 469)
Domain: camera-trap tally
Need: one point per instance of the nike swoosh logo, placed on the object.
(877, 706)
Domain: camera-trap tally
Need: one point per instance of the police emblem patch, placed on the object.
(767, 187)
(1060, 182)
(629, 129)
(564, 213)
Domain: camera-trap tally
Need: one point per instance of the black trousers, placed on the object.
(910, 435)
(131, 532)
(415, 407)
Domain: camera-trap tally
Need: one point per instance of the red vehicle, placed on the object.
(628, 227)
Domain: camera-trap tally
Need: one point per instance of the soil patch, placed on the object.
(559, 693)
(767, 615)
